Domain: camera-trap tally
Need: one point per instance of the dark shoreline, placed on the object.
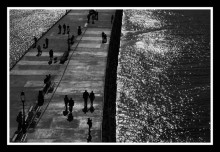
(110, 89)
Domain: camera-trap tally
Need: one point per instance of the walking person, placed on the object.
(59, 26)
(35, 42)
(79, 30)
(64, 28)
(85, 97)
(19, 120)
(51, 54)
(72, 39)
(40, 98)
(104, 37)
(39, 50)
(46, 42)
(91, 97)
(66, 101)
(71, 104)
(93, 18)
(68, 29)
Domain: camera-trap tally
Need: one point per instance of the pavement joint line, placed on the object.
(58, 82)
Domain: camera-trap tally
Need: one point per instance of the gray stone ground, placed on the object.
(85, 70)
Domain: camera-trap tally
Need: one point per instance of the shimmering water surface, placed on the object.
(27, 23)
(163, 75)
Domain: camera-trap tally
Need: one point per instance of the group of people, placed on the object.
(93, 14)
(66, 29)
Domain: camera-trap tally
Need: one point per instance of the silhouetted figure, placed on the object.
(40, 98)
(59, 26)
(88, 18)
(46, 42)
(72, 39)
(66, 101)
(89, 122)
(104, 37)
(93, 18)
(85, 97)
(71, 104)
(46, 79)
(19, 120)
(112, 18)
(64, 28)
(51, 54)
(92, 97)
(35, 42)
(89, 139)
(79, 30)
(68, 29)
(39, 50)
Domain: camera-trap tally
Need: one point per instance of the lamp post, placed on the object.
(23, 123)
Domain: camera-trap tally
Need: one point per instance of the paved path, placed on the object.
(85, 70)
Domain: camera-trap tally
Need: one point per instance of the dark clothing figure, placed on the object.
(64, 28)
(66, 101)
(93, 18)
(112, 18)
(51, 54)
(19, 120)
(72, 39)
(35, 42)
(40, 98)
(71, 104)
(47, 78)
(39, 50)
(59, 29)
(85, 97)
(89, 122)
(79, 30)
(92, 97)
(104, 37)
(68, 29)
(88, 18)
(46, 41)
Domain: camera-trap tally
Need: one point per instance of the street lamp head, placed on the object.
(22, 96)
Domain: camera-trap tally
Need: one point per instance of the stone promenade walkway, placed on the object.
(84, 70)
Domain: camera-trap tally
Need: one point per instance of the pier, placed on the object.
(84, 69)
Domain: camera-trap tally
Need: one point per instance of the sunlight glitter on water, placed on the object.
(158, 87)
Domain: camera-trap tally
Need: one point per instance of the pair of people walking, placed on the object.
(69, 102)
(91, 96)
